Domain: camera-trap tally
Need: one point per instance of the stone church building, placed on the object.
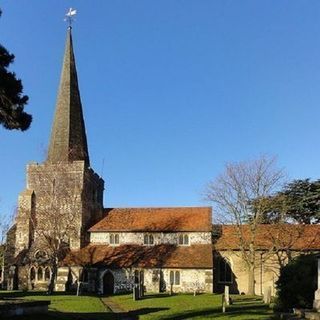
(61, 221)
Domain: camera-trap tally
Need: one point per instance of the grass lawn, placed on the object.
(157, 306)
(204, 306)
(64, 307)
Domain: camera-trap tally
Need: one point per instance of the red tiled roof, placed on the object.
(284, 236)
(125, 256)
(155, 219)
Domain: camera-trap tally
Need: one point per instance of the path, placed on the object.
(120, 313)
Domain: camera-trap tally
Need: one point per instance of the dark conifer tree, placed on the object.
(12, 100)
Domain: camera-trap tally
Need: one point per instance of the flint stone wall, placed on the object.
(159, 237)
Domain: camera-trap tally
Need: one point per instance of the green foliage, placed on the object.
(297, 283)
(12, 100)
(299, 201)
(303, 200)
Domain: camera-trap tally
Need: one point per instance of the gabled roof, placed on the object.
(283, 236)
(125, 256)
(155, 219)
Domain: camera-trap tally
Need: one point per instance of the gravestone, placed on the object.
(316, 301)
(226, 295)
(136, 292)
(267, 295)
(223, 303)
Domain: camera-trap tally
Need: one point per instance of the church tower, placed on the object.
(63, 195)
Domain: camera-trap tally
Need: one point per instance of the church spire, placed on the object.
(68, 136)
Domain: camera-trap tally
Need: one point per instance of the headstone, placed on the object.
(135, 292)
(223, 303)
(267, 295)
(226, 295)
(316, 301)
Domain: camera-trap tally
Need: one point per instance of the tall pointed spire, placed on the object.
(68, 136)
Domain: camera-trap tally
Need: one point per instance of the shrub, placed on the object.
(297, 283)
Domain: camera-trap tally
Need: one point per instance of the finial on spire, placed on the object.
(69, 17)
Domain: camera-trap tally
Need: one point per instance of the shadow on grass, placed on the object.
(134, 314)
(21, 294)
(233, 311)
(156, 296)
(55, 315)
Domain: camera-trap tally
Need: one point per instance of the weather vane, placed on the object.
(69, 17)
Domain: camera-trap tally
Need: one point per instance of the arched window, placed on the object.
(40, 255)
(148, 239)
(114, 238)
(171, 277)
(183, 240)
(40, 274)
(32, 274)
(47, 274)
(225, 272)
(175, 278)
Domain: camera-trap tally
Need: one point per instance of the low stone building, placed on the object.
(166, 246)
(275, 245)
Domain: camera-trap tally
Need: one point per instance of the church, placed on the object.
(63, 232)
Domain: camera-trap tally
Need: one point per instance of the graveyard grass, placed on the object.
(152, 306)
(64, 306)
(186, 306)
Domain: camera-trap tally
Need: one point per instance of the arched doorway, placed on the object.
(108, 283)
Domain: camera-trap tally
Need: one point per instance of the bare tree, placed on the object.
(5, 223)
(233, 193)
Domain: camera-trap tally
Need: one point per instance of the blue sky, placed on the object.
(171, 90)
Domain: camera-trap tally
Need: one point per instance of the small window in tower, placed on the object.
(40, 255)
(32, 274)
(40, 274)
(47, 274)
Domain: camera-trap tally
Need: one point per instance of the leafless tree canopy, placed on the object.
(233, 191)
(56, 220)
(233, 194)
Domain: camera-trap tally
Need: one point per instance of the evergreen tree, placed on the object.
(298, 201)
(12, 100)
